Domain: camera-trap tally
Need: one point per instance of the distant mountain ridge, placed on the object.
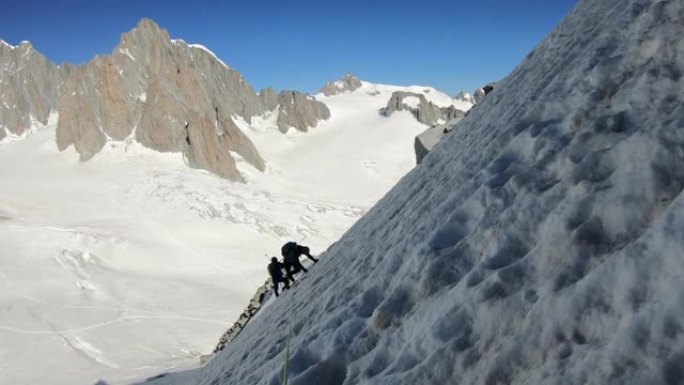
(166, 94)
(171, 96)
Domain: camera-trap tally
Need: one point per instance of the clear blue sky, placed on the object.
(451, 45)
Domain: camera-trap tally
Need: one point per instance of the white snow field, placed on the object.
(540, 242)
(132, 263)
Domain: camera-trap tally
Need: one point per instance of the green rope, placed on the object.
(289, 337)
(287, 355)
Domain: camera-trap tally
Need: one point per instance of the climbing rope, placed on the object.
(287, 355)
(289, 335)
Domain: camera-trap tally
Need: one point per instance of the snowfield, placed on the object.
(540, 242)
(132, 263)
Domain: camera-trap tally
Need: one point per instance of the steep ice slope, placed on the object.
(132, 263)
(542, 242)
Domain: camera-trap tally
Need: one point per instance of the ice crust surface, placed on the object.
(540, 242)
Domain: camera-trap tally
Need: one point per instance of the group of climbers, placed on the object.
(291, 252)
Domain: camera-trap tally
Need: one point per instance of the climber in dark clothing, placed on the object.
(275, 269)
(291, 252)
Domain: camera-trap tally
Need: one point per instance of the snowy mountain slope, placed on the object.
(132, 263)
(539, 243)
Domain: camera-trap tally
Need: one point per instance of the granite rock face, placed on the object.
(348, 83)
(168, 95)
(300, 111)
(269, 99)
(173, 97)
(422, 109)
(29, 87)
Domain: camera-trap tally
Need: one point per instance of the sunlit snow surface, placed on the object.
(132, 263)
(540, 242)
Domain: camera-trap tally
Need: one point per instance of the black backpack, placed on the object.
(288, 248)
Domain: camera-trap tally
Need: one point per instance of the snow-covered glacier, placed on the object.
(540, 242)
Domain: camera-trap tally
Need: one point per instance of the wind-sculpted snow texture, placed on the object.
(541, 242)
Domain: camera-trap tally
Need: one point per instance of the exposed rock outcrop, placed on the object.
(300, 111)
(422, 109)
(348, 83)
(430, 137)
(252, 308)
(29, 87)
(170, 95)
(269, 99)
(480, 93)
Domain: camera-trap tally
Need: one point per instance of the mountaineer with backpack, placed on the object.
(291, 252)
(275, 270)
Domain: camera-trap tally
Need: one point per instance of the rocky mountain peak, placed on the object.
(174, 97)
(422, 109)
(348, 83)
(168, 95)
(177, 99)
(145, 34)
(29, 85)
(148, 25)
(300, 111)
(465, 97)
